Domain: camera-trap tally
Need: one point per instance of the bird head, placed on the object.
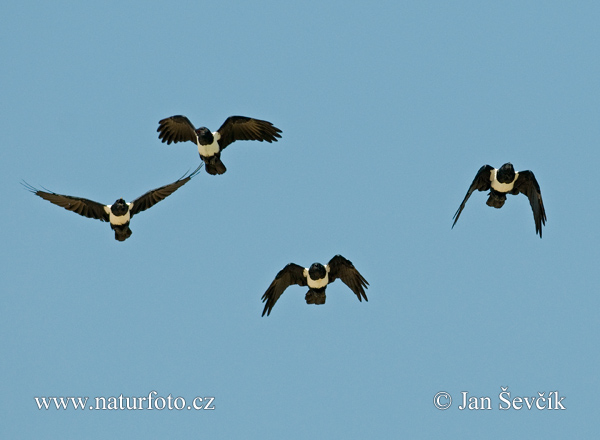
(317, 271)
(205, 137)
(119, 207)
(506, 173)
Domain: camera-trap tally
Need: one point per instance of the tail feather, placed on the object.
(314, 297)
(215, 166)
(122, 232)
(496, 199)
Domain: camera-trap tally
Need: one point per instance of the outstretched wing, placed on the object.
(290, 274)
(241, 128)
(341, 268)
(154, 196)
(481, 182)
(176, 129)
(85, 207)
(526, 184)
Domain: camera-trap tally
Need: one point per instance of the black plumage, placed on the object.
(119, 213)
(210, 145)
(317, 278)
(503, 181)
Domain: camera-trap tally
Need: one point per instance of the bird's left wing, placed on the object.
(241, 128)
(175, 129)
(340, 267)
(85, 207)
(289, 275)
(527, 184)
(154, 196)
(481, 182)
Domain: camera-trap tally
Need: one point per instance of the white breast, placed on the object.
(212, 149)
(316, 284)
(118, 220)
(502, 187)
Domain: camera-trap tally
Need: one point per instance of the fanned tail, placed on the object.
(214, 165)
(122, 232)
(496, 199)
(315, 297)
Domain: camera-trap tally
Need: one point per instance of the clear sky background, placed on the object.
(388, 109)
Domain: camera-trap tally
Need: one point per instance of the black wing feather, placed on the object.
(528, 185)
(85, 207)
(175, 129)
(290, 274)
(340, 267)
(154, 196)
(241, 128)
(481, 182)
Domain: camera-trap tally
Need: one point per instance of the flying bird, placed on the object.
(119, 213)
(503, 181)
(235, 128)
(316, 277)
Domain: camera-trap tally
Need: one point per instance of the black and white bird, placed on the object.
(316, 277)
(119, 213)
(503, 181)
(235, 128)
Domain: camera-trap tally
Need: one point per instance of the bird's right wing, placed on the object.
(85, 207)
(154, 196)
(528, 185)
(342, 268)
(176, 129)
(242, 128)
(481, 182)
(290, 274)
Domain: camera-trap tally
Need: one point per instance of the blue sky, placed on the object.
(388, 109)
